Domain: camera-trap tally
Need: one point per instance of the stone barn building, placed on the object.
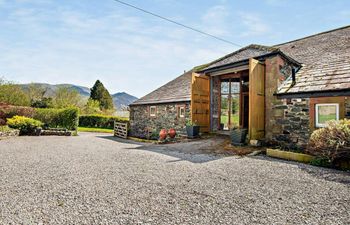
(280, 93)
(167, 107)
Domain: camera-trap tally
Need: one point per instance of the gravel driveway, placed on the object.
(96, 179)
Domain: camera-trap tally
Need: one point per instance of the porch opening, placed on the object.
(234, 101)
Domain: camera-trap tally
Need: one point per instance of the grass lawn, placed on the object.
(94, 129)
(234, 119)
(326, 118)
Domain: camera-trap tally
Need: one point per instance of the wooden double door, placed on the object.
(251, 96)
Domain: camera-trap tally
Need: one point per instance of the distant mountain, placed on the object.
(51, 88)
(121, 99)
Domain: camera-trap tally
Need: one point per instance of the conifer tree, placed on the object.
(101, 94)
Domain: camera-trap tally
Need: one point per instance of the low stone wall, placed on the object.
(290, 123)
(10, 133)
(142, 124)
(55, 133)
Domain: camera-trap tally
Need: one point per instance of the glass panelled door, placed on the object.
(230, 104)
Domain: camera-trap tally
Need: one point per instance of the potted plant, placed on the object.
(238, 135)
(192, 129)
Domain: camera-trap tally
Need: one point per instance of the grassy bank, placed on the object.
(94, 129)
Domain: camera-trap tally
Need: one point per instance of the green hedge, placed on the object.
(100, 121)
(58, 118)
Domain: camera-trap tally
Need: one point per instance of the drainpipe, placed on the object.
(293, 77)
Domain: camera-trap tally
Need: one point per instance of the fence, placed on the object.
(121, 130)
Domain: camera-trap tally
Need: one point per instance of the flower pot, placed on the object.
(162, 134)
(238, 136)
(192, 131)
(172, 133)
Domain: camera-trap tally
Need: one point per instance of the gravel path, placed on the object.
(95, 179)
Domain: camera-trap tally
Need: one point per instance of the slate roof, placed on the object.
(250, 51)
(177, 90)
(325, 59)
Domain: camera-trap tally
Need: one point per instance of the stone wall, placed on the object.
(142, 124)
(287, 121)
(272, 114)
(9, 133)
(292, 124)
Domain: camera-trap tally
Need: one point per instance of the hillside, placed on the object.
(121, 99)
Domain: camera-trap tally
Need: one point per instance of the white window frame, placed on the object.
(325, 104)
(184, 111)
(155, 111)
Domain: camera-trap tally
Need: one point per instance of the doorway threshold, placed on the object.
(224, 132)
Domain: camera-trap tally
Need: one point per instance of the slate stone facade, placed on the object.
(290, 124)
(142, 124)
(287, 120)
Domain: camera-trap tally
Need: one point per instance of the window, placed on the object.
(325, 113)
(182, 112)
(230, 103)
(152, 111)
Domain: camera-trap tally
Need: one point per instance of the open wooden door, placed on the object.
(256, 127)
(200, 101)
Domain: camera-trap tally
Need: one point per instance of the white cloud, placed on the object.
(254, 24)
(215, 20)
(123, 51)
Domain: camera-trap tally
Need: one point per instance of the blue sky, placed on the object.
(79, 41)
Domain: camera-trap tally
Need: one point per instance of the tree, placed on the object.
(91, 107)
(66, 97)
(37, 93)
(234, 105)
(101, 94)
(42, 103)
(13, 94)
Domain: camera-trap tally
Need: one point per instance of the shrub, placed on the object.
(9, 111)
(42, 103)
(13, 94)
(317, 161)
(332, 142)
(2, 122)
(24, 124)
(100, 121)
(58, 118)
